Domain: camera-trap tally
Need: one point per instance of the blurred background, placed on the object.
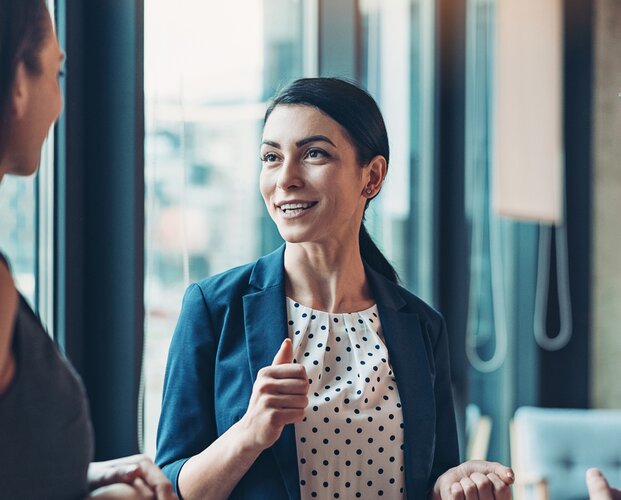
(501, 207)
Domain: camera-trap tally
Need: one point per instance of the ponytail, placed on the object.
(372, 255)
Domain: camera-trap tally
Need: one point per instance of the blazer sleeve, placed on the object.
(446, 447)
(187, 423)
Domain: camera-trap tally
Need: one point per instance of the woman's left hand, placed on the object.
(475, 480)
(136, 470)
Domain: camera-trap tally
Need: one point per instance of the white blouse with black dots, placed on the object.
(350, 443)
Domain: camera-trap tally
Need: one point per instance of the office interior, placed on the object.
(509, 227)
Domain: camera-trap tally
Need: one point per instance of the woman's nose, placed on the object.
(290, 175)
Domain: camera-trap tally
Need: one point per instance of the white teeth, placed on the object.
(295, 206)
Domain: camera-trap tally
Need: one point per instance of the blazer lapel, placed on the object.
(408, 357)
(265, 322)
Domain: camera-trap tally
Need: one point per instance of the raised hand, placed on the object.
(474, 480)
(279, 397)
(599, 488)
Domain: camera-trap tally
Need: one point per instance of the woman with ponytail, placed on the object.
(311, 373)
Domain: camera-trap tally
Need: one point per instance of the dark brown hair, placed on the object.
(23, 31)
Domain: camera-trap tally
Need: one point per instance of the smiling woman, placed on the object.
(348, 392)
(311, 181)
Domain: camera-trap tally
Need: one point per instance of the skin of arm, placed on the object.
(215, 472)
(8, 311)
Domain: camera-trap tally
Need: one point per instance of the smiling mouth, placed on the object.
(295, 209)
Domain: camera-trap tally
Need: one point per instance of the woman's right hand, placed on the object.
(279, 397)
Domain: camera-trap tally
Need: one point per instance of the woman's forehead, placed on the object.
(294, 122)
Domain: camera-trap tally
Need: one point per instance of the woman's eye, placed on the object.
(316, 153)
(269, 157)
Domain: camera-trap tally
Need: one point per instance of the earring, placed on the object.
(368, 191)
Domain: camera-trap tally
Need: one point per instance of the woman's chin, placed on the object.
(25, 167)
(292, 236)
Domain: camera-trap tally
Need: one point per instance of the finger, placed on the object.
(284, 354)
(118, 473)
(285, 371)
(287, 386)
(456, 492)
(597, 485)
(285, 402)
(501, 490)
(287, 416)
(470, 489)
(142, 489)
(113, 491)
(485, 488)
(155, 479)
(484, 467)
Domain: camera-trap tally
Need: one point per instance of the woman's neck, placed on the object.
(327, 277)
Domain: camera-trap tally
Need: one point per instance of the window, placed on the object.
(398, 70)
(17, 231)
(208, 73)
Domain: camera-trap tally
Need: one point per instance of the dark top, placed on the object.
(231, 325)
(46, 440)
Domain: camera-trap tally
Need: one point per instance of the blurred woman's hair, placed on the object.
(23, 31)
(357, 112)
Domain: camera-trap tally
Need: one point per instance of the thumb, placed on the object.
(284, 354)
(597, 485)
(504, 473)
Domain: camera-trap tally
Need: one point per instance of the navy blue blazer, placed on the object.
(231, 325)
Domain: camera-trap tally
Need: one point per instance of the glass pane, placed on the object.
(491, 265)
(206, 86)
(397, 68)
(17, 231)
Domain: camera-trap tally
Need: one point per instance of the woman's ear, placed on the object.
(20, 92)
(376, 172)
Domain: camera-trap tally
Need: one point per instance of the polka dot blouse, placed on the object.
(350, 443)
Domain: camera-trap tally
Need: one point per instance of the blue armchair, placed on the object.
(551, 449)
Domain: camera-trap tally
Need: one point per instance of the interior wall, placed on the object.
(606, 296)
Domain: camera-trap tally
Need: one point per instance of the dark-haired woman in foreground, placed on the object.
(317, 334)
(46, 442)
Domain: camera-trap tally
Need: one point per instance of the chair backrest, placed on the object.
(559, 445)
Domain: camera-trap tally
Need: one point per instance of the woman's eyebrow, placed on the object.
(314, 138)
(301, 142)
